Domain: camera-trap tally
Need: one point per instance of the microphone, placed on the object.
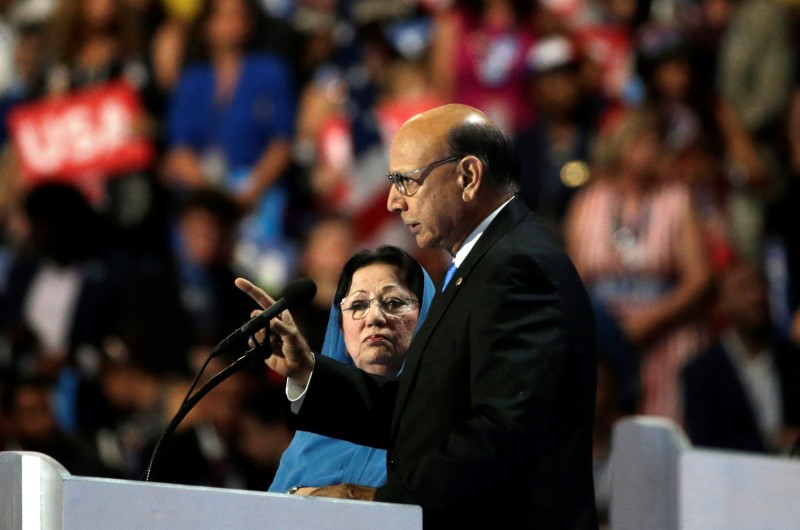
(298, 293)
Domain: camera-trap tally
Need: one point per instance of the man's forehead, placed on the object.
(426, 125)
(414, 143)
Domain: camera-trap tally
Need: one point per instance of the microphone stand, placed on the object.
(253, 357)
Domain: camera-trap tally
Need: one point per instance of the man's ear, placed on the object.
(470, 175)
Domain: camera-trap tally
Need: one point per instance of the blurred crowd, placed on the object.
(659, 140)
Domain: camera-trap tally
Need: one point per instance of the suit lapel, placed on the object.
(508, 217)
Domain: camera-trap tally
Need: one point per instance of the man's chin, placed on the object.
(424, 240)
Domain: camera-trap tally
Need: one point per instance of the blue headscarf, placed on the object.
(316, 460)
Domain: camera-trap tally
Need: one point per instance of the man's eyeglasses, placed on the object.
(408, 186)
(391, 307)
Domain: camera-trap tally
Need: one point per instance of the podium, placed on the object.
(660, 482)
(37, 493)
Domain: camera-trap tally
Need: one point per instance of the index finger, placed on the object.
(254, 292)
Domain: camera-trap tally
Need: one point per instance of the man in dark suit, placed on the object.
(743, 392)
(490, 422)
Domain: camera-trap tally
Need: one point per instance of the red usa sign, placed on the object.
(90, 131)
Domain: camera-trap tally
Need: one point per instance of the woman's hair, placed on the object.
(197, 43)
(68, 30)
(410, 270)
(631, 123)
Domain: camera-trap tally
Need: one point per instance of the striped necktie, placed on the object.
(448, 275)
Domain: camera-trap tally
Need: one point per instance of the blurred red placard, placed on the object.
(89, 131)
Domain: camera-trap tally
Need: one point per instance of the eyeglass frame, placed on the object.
(380, 303)
(399, 179)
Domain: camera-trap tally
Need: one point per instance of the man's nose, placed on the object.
(396, 201)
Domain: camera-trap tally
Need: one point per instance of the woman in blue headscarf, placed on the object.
(381, 300)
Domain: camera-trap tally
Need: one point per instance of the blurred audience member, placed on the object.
(327, 247)
(345, 119)
(263, 431)
(755, 75)
(710, 149)
(156, 330)
(615, 350)
(795, 329)
(206, 448)
(93, 43)
(554, 150)
(27, 79)
(167, 26)
(25, 84)
(176, 310)
(405, 90)
(743, 392)
(129, 407)
(781, 251)
(478, 57)
(231, 126)
(605, 30)
(208, 221)
(63, 286)
(781, 261)
(704, 23)
(6, 51)
(351, 122)
(32, 426)
(168, 50)
(64, 298)
(755, 65)
(636, 241)
(792, 125)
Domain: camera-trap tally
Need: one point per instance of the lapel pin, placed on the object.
(459, 280)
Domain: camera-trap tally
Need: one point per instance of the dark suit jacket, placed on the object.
(95, 311)
(490, 423)
(718, 411)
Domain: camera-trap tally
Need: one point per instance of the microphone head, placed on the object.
(299, 292)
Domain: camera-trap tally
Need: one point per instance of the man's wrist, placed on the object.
(295, 391)
(303, 376)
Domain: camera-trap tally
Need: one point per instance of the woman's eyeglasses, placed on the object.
(391, 307)
(408, 186)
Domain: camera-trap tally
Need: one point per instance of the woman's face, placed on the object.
(228, 24)
(377, 343)
(98, 14)
(640, 153)
(673, 78)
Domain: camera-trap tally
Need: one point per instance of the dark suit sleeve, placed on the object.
(347, 403)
